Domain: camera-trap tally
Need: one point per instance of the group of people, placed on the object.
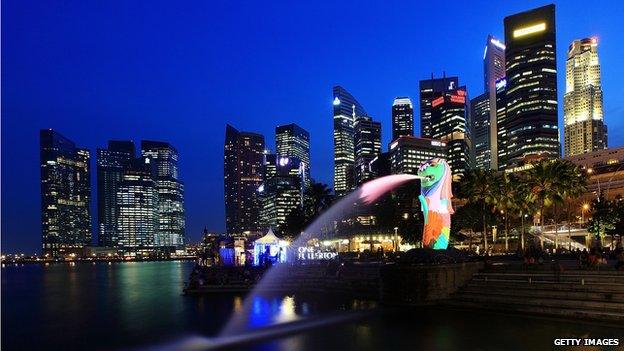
(596, 257)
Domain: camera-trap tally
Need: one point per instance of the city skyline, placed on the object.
(196, 146)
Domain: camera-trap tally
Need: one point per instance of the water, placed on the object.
(365, 195)
(128, 305)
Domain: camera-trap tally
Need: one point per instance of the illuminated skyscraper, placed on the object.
(402, 117)
(243, 176)
(111, 164)
(346, 109)
(137, 208)
(486, 149)
(65, 194)
(501, 121)
(531, 93)
(407, 153)
(584, 127)
(294, 141)
(480, 116)
(367, 148)
(445, 116)
(281, 192)
(171, 223)
(430, 89)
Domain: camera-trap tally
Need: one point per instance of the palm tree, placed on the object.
(479, 188)
(523, 204)
(504, 197)
(317, 198)
(542, 179)
(552, 181)
(575, 185)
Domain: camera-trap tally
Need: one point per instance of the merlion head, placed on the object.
(437, 180)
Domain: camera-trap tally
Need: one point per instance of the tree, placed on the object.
(477, 187)
(604, 218)
(504, 197)
(316, 199)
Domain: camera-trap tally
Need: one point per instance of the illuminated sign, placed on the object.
(311, 253)
(283, 161)
(501, 83)
(458, 99)
(498, 44)
(336, 101)
(437, 101)
(536, 28)
(437, 143)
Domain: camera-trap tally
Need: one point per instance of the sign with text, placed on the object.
(311, 253)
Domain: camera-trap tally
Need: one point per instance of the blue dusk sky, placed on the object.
(178, 71)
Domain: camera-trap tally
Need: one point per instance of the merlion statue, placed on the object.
(435, 201)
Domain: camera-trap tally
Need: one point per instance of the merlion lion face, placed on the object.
(432, 171)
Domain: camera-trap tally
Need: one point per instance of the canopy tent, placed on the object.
(269, 248)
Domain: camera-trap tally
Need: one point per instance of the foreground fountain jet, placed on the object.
(435, 201)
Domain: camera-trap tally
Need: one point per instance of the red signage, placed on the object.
(458, 99)
(437, 101)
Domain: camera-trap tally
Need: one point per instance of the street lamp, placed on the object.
(396, 239)
(583, 210)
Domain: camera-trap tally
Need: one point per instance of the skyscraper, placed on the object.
(346, 109)
(137, 208)
(243, 167)
(480, 116)
(445, 116)
(430, 89)
(407, 153)
(367, 147)
(65, 194)
(281, 192)
(531, 72)
(293, 141)
(111, 164)
(402, 117)
(163, 158)
(493, 70)
(501, 121)
(584, 128)
(493, 63)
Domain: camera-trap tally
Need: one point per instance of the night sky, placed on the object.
(179, 71)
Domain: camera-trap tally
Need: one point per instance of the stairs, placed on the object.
(591, 295)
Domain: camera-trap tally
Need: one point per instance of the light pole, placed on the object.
(583, 210)
(396, 239)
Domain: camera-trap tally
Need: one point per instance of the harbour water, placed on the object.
(106, 306)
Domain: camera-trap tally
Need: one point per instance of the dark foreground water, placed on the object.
(134, 305)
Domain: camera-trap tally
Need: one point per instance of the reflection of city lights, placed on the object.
(287, 310)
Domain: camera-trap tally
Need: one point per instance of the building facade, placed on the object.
(345, 110)
(429, 90)
(137, 209)
(531, 92)
(584, 128)
(450, 123)
(282, 190)
(367, 148)
(111, 163)
(171, 220)
(293, 141)
(65, 195)
(407, 153)
(493, 71)
(402, 117)
(501, 122)
(243, 176)
(480, 117)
